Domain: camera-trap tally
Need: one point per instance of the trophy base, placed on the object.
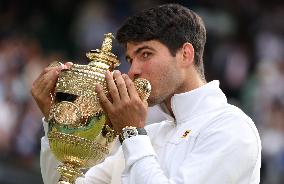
(68, 173)
(63, 182)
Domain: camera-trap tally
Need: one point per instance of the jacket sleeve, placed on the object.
(227, 153)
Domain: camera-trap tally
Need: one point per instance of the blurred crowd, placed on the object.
(245, 51)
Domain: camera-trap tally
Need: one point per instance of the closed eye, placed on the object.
(128, 59)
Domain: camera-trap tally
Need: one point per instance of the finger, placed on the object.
(105, 103)
(121, 86)
(68, 65)
(48, 69)
(44, 71)
(49, 82)
(130, 87)
(45, 76)
(112, 87)
(42, 89)
(58, 69)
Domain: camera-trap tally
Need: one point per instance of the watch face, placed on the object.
(129, 132)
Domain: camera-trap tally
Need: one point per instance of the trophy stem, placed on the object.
(68, 173)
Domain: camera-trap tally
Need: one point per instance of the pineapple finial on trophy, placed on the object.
(104, 56)
(107, 43)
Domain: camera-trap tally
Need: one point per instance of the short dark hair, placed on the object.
(172, 25)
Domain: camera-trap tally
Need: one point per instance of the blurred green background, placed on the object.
(245, 51)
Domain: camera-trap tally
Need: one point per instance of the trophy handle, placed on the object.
(143, 88)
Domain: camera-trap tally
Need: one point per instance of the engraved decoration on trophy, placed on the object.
(78, 132)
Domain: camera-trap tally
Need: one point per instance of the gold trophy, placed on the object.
(79, 135)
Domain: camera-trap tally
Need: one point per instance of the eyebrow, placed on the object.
(139, 50)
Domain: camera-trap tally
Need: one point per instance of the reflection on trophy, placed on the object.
(78, 134)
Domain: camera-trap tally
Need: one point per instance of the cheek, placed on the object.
(155, 73)
(159, 72)
(154, 68)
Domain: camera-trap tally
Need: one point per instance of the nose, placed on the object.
(134, 70)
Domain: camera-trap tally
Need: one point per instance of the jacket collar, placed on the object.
(194, 103)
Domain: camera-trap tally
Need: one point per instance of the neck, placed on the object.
(189, 85)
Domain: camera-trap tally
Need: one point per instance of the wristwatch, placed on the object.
(130, 131)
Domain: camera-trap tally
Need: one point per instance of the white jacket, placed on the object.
(209, 141)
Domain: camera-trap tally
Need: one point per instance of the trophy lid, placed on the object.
(80, 79)
(104, 55)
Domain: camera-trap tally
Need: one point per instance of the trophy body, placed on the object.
(78, 132)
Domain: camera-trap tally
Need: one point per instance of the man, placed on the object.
(202, 140)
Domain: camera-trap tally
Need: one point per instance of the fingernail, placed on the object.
(107, 73)
(61, 66)
(117, 71)
(124, 76)
(98, 88)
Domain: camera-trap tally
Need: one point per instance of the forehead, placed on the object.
(133, 47)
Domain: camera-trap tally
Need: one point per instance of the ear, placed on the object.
(187, 52)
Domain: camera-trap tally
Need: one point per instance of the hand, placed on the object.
(126, 107)
(43, 87)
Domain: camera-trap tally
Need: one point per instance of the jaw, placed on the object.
(153, 101)
(158, 98)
